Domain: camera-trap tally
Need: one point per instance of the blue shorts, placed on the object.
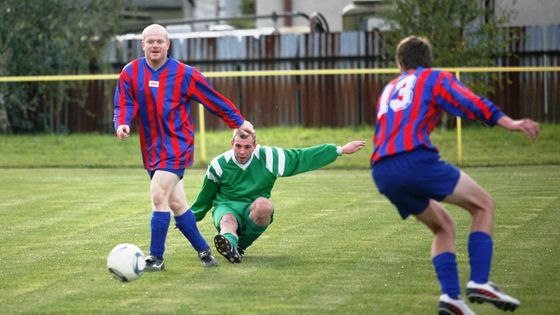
(409, 180)
(179, 172)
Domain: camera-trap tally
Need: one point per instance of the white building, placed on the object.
(529, 12)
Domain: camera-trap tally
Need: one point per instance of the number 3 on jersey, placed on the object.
(397, 96)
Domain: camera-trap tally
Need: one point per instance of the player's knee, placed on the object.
(262, 204)
(446, 225)
(262, 207)
(450, 228)
(486, 205)
(228, 220)
(177, 205)
(261, 211)
(159, 197)
(490, 204)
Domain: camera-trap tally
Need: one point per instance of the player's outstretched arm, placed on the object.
(527, 126)
(352, 147)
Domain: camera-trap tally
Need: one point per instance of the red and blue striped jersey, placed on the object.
(160, 100)
(410, 107)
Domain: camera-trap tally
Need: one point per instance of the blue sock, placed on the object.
(186, 223)
(159, 225)
(447, 273)
(480, 255)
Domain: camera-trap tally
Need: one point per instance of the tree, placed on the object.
(463, 33)
(46, 38)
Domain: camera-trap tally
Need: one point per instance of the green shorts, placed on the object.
(239, 209)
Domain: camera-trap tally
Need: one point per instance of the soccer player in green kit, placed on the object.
(239, 182)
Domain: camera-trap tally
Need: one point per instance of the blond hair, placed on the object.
(243, 135)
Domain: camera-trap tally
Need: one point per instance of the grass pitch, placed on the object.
(482, 146)
(336, 247)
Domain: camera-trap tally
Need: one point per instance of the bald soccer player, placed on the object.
(157, 90)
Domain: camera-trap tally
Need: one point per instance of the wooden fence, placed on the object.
(319, 100)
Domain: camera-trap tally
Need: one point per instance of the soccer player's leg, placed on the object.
(414, 182)
(186, 223)
(258, 217)
(444, 258)
(226, 220)
(159, 225)
(161, 186)
(436, 218)
(470, 196)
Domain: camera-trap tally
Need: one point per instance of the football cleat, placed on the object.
(449, 306)
(489, 292)
(154, 264)
(223, 246)
(207, 259)
(241, 251)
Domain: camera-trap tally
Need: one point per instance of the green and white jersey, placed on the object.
(227, 180)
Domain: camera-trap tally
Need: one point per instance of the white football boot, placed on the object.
(449, 306)
(489, 292)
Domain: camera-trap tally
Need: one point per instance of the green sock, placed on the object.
(231, 238)
(252, 232)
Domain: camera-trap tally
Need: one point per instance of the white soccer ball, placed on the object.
(126, 262)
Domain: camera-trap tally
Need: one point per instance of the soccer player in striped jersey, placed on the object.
(407, 169)
(157, 90)
(239, 182)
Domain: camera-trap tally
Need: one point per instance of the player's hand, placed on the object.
(527, 126)
(123, 132)
(247, 127)
(353, 146)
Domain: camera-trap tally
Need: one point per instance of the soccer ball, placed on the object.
(126, 262)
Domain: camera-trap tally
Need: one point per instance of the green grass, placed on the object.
(336, 247)
(482, 147)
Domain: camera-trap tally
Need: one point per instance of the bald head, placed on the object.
(154, 29)
(155, 44)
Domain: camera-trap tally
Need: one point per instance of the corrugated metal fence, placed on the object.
(330, 100)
